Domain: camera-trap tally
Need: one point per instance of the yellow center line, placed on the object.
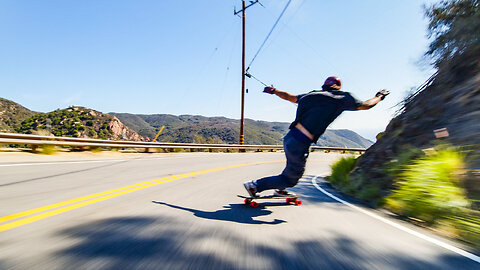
(87, 200)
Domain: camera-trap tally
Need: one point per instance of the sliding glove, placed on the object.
(269, 90)
(382, 94)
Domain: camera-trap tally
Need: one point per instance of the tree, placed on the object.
(454, 26)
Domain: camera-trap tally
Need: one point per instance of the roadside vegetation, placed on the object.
(428, 190)
(431, 182)
(340, 178)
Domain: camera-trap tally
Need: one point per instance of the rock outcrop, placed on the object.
(122, 132)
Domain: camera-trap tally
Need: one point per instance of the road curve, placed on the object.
(180, 211)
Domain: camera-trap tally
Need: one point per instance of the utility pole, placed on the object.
(242, 118)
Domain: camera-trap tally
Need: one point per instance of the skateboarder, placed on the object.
(315, 111)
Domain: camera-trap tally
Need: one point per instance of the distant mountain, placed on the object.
(88, 123)
(201, 129)
(12, 114)
(342, 138)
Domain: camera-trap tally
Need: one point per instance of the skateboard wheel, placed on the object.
(254, 204)
(298, 202)
(288, 200)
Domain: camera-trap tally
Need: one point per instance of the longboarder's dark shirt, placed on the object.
(319, 108)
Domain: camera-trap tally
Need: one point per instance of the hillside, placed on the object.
(78, 122)
(88, 123)
(201, 129)
(12, 114)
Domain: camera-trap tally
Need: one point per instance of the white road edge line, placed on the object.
(80, 162)
(400, 227)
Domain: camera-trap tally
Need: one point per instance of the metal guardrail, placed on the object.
(14, 138)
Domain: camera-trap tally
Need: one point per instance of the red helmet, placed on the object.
(332, 80)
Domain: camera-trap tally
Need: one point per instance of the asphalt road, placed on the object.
(180, 211)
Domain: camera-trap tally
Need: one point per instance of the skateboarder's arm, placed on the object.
(281, 94)
(368, 104)
(286, 96)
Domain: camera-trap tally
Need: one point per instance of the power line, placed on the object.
(271, 30)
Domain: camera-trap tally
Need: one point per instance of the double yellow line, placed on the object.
(29, 216)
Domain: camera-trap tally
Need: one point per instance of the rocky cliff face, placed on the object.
(450, 101)
(122, 132)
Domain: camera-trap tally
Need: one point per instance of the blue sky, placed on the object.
(183, 57)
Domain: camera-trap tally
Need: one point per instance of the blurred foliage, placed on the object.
(372, 193)
(379, 135)
(362, 189)
(430, 188)
(44, 149)
(340, 174)
(407, 154)
(454, 26)
(95, 149)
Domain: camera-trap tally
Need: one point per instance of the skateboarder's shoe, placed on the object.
(283, 192)
(251, 188)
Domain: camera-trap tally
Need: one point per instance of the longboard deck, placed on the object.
(268, 197)
(289, 199)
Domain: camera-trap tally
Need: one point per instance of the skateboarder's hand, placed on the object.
(382, 93)
(269, 90)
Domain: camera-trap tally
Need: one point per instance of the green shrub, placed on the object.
(379, 135)
(340, 173)
(92, 133)
(430, 189)
(95, 149)
(44, 149)
(371, 193)
(406, 156)
(467, 224)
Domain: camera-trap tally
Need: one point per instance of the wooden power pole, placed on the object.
(242, 118)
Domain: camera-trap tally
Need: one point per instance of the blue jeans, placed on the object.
(296, 151)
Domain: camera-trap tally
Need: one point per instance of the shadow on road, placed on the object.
(235, 213)
(169, 243)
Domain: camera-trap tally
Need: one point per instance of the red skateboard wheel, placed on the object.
(298, 202)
